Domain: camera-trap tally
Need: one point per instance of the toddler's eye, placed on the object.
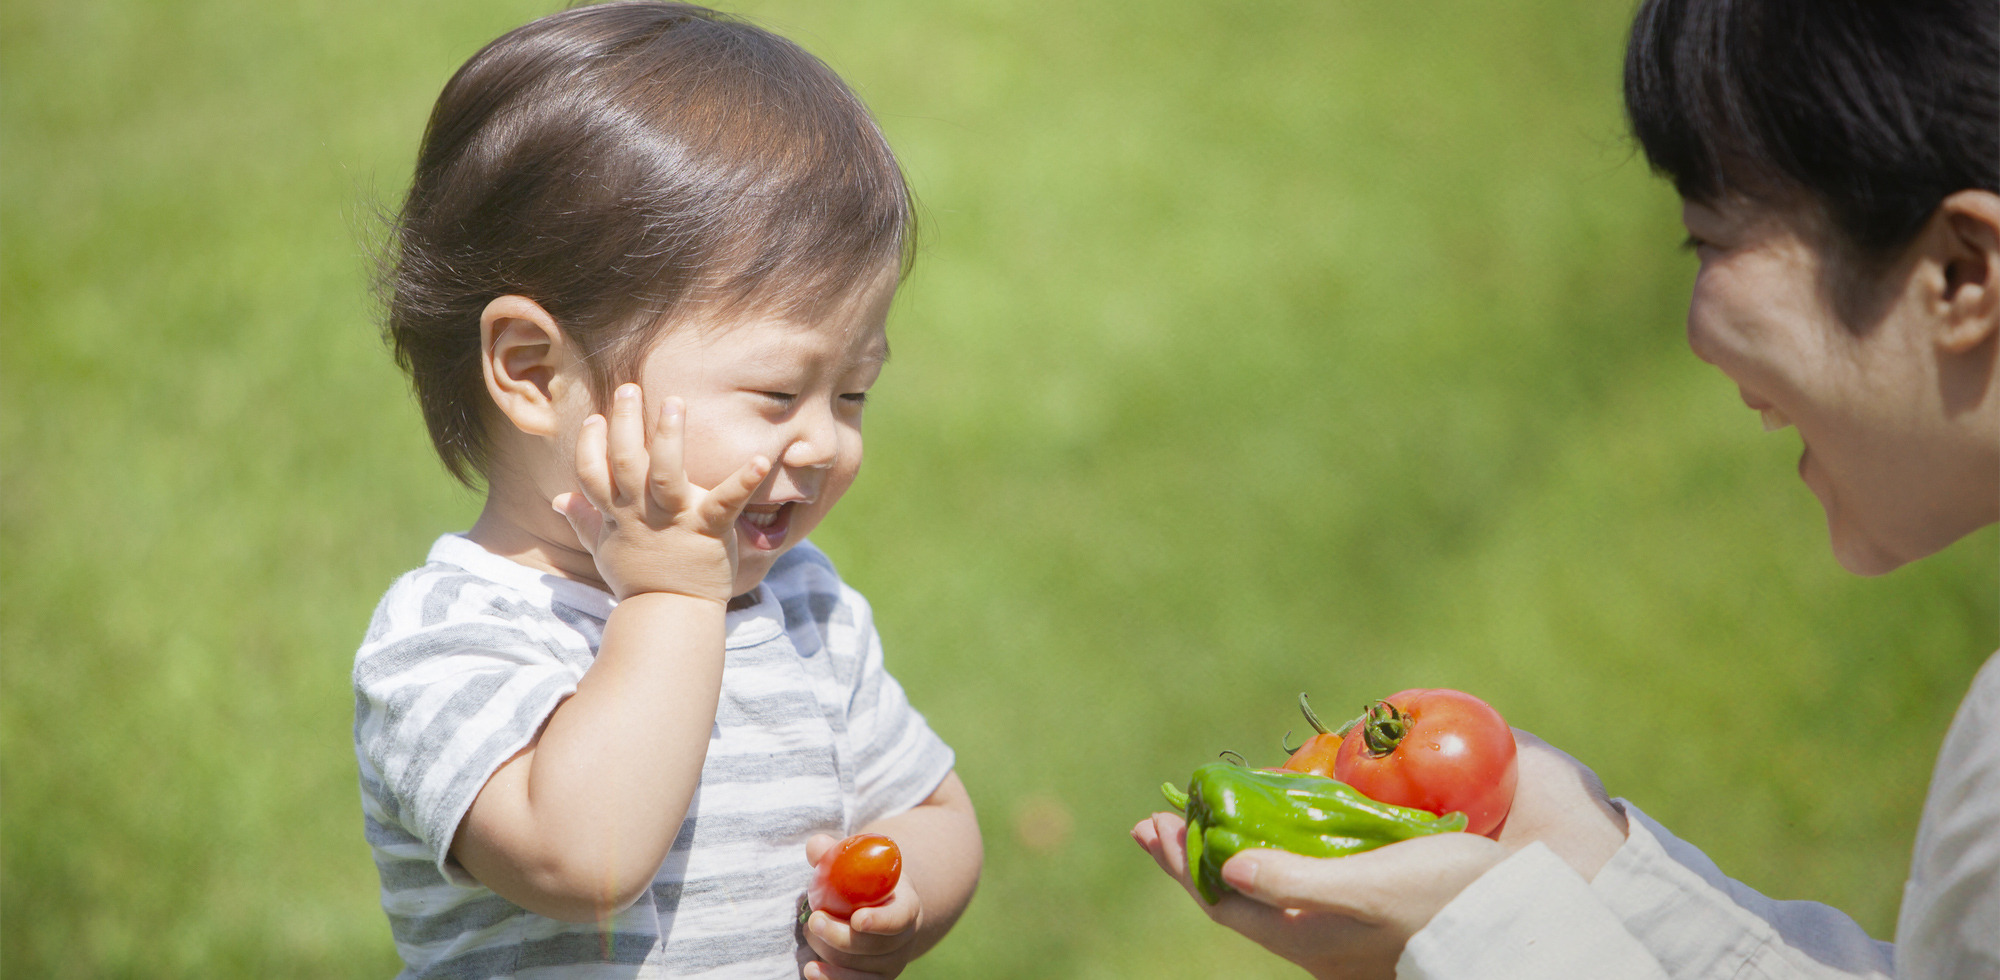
(782, 398)
(1692, 243)
(855, 398)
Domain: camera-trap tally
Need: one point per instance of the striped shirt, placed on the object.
(467, 656)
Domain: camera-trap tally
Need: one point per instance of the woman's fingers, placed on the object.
(1170, 836)
(593, 477)
(1405, 882)
(627, 446)
(724, 503)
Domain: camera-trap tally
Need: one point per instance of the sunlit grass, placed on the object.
(1254, 349)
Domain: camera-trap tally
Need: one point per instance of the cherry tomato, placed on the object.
(1316, 756)
(1438, 750)
(856, 873)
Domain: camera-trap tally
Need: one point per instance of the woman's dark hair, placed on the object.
(1875, 109)
(621, 165)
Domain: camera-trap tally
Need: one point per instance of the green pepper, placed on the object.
(1232, 808)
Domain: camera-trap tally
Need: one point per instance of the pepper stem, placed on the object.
(1383, 727)
(1174, 796)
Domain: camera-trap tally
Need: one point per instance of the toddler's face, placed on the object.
(790, 391)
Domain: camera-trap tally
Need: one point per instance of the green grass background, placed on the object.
(1327, 345)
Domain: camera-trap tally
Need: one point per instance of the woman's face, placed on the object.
(1879, 447)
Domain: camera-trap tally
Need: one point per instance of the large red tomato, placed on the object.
(1438, 750)
(858, 872)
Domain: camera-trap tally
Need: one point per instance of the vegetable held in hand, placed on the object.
(1317, 755)
(859, 872)
(1437, 749)
(1232, 808)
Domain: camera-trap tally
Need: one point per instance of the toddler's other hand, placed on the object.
(645, 525)
(874, 942)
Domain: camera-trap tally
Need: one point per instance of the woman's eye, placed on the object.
(1691, 243)
(781, 397)
(855, 398)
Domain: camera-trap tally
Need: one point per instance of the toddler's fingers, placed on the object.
(818, 970)
(592, 476)
(629, 459)
(817, 847)
(836, 940)
(726, 501)
(583, 518)
(668, 483)
(896, 917)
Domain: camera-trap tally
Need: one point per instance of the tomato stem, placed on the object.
(1233, 757)
(1383, 727)
(1311, 718)
(1320, 726)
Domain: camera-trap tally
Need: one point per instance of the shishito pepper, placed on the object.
(1232, 808)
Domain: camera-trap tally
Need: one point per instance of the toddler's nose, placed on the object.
(808, 454)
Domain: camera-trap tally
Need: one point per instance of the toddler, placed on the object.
(639, 285)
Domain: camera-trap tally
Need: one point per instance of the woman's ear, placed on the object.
(522, 353)
(1968, 295)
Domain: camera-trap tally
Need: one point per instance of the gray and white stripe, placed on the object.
(464, 660)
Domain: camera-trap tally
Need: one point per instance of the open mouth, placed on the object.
(763, 526)
(1773, 417)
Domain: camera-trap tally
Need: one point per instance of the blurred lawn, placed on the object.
(1256, 348)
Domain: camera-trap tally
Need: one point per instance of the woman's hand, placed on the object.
(1342, 917)
(647, 528)
(1350, 917)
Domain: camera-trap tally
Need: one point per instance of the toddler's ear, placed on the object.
(522, 351)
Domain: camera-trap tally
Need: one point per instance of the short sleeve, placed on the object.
(439, 707)
(897, 760)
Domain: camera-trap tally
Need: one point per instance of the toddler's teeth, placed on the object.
(1774, 420)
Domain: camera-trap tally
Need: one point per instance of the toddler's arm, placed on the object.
(576, 824)
(942, 854)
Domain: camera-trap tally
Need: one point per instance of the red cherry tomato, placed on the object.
(1438, 750)
(856, 873)
(1316, 756)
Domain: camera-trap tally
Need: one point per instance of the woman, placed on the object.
(1839, 167)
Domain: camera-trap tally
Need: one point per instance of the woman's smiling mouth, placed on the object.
(1774, 417)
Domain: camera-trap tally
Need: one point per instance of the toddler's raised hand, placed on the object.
(647, 528)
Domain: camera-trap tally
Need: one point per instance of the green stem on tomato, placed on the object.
(1383, 727)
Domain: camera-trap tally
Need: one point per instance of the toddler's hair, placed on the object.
(622, 165)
